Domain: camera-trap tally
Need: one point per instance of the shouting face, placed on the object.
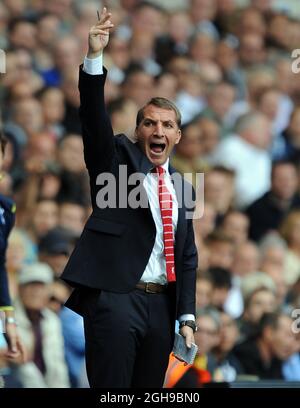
(157, 133)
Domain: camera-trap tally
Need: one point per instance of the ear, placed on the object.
(178, 136)
(268, 333)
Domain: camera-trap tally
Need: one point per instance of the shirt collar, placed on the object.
(165, 166)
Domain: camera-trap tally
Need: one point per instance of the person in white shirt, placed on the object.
(246, 152)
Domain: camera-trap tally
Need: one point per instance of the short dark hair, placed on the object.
(282, 162)
(159, 103)
(269, 320)
(221, 277)
(219, 236)
(116, 105)
(3, 142)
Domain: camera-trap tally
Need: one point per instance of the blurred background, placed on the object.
(227, 64)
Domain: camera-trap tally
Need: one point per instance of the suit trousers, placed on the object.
(128, 338)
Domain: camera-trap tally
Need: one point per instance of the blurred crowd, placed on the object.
(229, 70)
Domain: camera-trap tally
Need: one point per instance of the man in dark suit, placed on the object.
(134, 266)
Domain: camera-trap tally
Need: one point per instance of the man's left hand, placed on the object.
(188, 334)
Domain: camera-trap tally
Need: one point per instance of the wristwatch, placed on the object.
(189, 323)
(11, 320)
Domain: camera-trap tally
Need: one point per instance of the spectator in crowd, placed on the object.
(123, 113)
(221, 281)
(40, 330)
(249, 145)
(252, 50)
(44, 218)
(187, 159)
(290, 232)
(267, 212)
(204, 221)
(202, 11)
(55, 248)
(210, 131)
(71, 95)
(53, 107)
(251, 21)
(72, 328)
(227, 365)
(260, 300)
(273, 263)
(72, 216)
(228, 61)
(14, 348)
(246, 259)
(263, 355)
(204, 291)
(221, 250)
(220, 100)
(18, 254)
(235, 225)
(245, 262)
(176, 40)
(138, 85)
(219, 190)
(74, 180)
(291, 138)
(268, 102)
(27, 115)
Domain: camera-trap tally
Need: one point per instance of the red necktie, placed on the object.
(165, 205)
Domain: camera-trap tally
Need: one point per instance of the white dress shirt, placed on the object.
(251, 164)
(156, 268)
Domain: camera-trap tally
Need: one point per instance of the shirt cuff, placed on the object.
(93, 66)
(186, 317)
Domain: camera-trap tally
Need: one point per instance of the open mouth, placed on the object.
(157, 148)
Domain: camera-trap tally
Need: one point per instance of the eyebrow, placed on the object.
(164, 121)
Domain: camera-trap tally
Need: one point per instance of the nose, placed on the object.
(159, 131)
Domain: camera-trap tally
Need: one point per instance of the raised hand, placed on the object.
(99, 35)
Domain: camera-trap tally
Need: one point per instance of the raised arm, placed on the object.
(96, 127)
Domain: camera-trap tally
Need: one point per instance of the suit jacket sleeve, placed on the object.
(97, 132)
(187, 303)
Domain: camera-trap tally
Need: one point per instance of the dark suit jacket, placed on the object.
(116, 243)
